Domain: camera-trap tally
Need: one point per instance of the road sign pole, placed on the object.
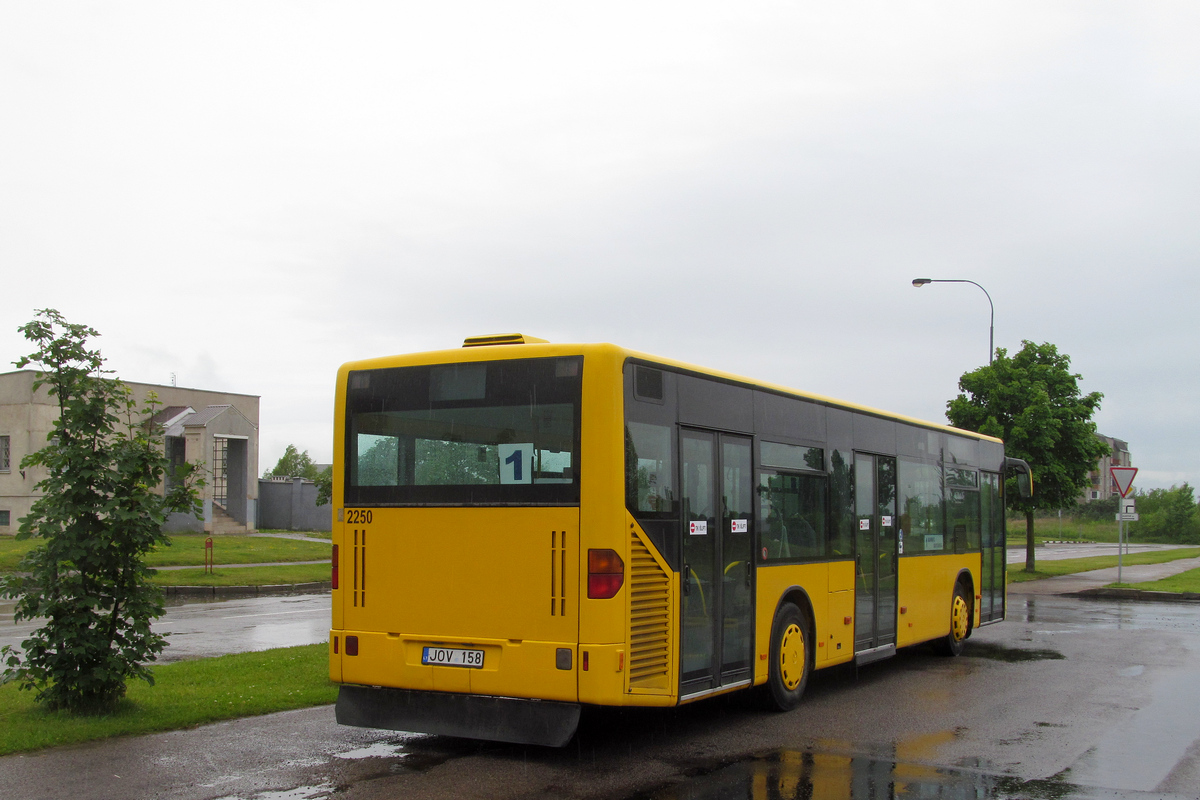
(1123, 478)
(1120, 539)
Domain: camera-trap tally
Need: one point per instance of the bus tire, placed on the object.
(791, 658)
(960, 622)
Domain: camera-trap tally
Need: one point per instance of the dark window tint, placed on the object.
(963, 518)
(842, 522)
(649, 478)
(792, 510)
(921, 525)
(648, 383)
(486, 433)
(790, 456)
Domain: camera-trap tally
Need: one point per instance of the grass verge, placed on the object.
(1183, 582)
(1069, 566)
(186, 694)
(187, 549)
(244, 576)
(1051, 529)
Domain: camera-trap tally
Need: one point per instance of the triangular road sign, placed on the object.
(1123, 478)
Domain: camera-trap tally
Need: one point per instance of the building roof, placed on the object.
(170, 414)
(202, 418)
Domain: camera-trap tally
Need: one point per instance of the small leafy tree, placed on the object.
(325, 486)
(1031, 400)
(99, 514)
(294, 464)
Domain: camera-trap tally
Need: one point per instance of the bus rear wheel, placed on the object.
(960, 622)
(790, 658)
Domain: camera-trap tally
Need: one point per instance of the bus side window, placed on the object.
(841, 501)
(649, 482)
(794, 512)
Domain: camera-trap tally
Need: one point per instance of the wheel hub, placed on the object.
(958, 619)
(792, 657)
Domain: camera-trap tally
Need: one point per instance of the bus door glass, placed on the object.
(716, 572)
(994, 550)
(876, 551)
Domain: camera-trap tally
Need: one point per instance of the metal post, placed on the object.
(919, 282)
(1120, 540)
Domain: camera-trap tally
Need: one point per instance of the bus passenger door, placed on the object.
(876, 552)
(717, 572)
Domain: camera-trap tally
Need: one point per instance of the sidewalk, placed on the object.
(1092, 583)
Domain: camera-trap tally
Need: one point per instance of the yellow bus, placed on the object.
(523, 528)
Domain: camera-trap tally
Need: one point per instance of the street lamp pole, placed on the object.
(919, 282)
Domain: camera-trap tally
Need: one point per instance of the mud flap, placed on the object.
(471, 716)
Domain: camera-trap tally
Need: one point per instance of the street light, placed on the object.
(919, 282)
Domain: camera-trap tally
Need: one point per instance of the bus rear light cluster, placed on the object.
(606, 574)
(334, 574)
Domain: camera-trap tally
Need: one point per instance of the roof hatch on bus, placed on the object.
(502, 338)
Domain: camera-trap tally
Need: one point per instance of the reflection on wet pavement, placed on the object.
(1075, 617)
(1144, 749)
(794, 775)
(300, 793)
(197, 627)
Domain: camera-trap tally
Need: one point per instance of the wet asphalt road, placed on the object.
(196, 628)
(1064, 550)
(1069, 698)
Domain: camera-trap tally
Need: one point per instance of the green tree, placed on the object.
(99, 514)
(325, 486)
(1167, 515)
(294, 464)
(1032, 401)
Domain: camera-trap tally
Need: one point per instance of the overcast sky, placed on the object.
(248, 194)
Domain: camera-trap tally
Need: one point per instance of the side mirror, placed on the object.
(1024, 476)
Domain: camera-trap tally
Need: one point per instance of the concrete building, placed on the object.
(1102, 485)
(216, 429)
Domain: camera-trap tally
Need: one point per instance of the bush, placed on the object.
(1096, 510)
(1167, 515)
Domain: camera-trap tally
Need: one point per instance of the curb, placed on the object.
(317, 587)
(1140, 594)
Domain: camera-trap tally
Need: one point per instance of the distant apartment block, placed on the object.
(1102, 486)
(216, 429)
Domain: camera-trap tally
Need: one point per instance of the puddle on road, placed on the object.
(796, 775)
(1090, 614)
(319, 792)
(998, 652)
(393, 756)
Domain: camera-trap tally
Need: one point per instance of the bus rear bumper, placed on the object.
(498, 719)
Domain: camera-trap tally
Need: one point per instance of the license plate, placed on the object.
(452, 657)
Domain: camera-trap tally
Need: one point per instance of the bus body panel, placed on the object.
(829, 586)
(839, 637)
(501, 580)
(603, 519)
(926, 588)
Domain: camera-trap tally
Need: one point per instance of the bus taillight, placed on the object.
(606, 574)
(333, 575)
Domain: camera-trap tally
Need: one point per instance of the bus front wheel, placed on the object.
(790, 656)
(960, 622)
